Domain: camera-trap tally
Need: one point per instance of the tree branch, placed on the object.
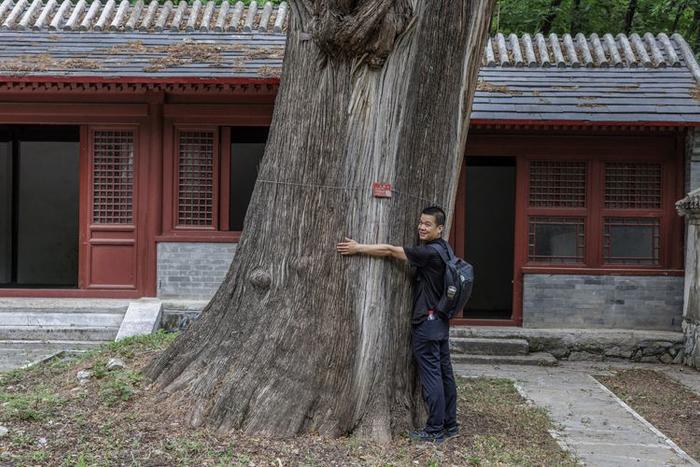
(550, 17)
(629, 16)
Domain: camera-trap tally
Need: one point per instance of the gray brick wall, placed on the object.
(192, 270)
(618, 302)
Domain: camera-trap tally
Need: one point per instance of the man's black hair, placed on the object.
(437, 213)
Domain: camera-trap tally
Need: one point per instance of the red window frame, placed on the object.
(536, 211)
(665, 146)
(217, 231)
(595, 212)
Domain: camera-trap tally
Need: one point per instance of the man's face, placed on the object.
(428, 229)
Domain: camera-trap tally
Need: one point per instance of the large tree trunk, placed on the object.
(299, 339)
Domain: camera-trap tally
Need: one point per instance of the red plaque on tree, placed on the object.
(381, 190)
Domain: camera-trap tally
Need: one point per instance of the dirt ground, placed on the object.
(665, 403)
(112, 419)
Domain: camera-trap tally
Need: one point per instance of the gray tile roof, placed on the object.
(587, 95)
(594, 79)
(523, 78)
(133, 55)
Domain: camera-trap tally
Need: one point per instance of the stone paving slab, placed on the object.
(18, 358)
(589, 421)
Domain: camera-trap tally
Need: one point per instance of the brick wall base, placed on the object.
(617, 302)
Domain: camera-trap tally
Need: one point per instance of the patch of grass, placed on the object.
(131, 345)
(35, 405)
(127, 348)
(21, 440)
(114, 419)
(120, 386)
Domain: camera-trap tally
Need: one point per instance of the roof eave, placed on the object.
(89, 79)
(579, 123)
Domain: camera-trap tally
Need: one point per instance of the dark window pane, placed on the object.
(247, 149)
(556, 239)
(47, 217)
(631, 241)
(5, 211)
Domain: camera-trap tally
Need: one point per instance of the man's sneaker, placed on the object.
(451, 432)
(423, 435)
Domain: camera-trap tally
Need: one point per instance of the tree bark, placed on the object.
(629, 16)
(548, 20)
(297, 338)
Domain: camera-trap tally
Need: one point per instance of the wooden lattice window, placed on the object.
(112, 176)
(557, 184)
(556, 239)
(630, 185)
(197, 167)
(629, 240)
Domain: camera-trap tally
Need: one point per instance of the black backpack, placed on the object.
(459, 278)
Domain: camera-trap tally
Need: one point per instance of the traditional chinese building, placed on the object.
(130, 136)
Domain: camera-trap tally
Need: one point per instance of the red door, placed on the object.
(110, 231)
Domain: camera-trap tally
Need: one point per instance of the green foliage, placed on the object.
(599, 16)
(129, 346)
(37, 404)
(119, 385)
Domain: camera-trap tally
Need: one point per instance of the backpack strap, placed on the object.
(445, 253)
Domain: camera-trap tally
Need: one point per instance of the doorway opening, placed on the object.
(489, 235)
(39, 206)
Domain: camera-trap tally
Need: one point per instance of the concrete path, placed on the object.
(598, 428)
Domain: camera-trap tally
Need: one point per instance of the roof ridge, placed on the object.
(620, 51)
(143, 16)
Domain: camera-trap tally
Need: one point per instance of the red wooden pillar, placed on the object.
(152, 187)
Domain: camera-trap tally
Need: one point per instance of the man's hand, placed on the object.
(348, 247)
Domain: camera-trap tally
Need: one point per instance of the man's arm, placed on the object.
(351, 247)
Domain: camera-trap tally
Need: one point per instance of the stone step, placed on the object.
(54, 333)
(62, 305)
(537, 359)
(18, 353)
(62, 319)
(587, 344)
(20, 359)
(486, 346)
(8, 346)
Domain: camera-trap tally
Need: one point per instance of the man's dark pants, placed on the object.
(432, 352)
